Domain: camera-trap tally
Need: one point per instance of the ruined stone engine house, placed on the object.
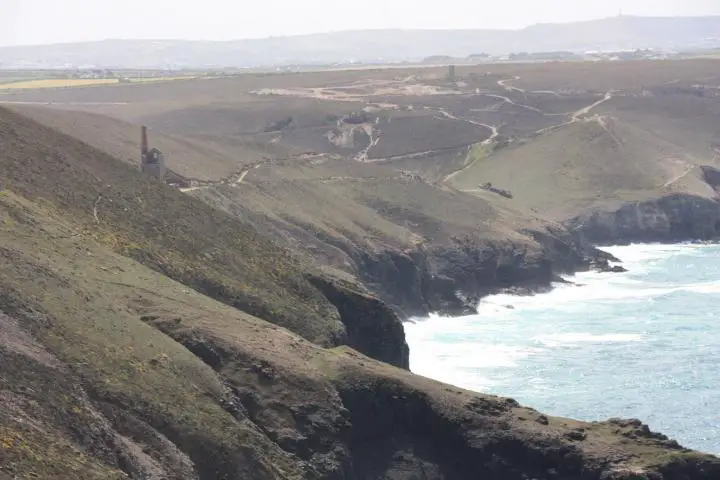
(152, 160)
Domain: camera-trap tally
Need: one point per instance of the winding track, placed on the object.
(488, 141)
(512, 102)
(363, 155)
(679, 177)
(374, 140)
(234, 180)
(584, 111)
(574, 118)
(510, 88)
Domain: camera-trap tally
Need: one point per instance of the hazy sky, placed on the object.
(48, 21)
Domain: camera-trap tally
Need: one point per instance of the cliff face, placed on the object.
(420, 247)
(372, 327)
(672, 218)
(452, 278)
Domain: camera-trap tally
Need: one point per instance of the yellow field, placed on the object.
(58, 83)
(79, 82)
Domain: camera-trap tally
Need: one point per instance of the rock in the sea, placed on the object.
(672, 218)
(602, 265)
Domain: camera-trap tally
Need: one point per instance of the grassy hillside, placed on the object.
(161, 227)
(94, 378)
(122, 140)
(150, 379)
(589, 165)
(143, 336)
(417, 120)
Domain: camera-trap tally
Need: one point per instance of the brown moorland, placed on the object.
(115, 362)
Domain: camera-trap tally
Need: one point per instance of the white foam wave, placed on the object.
(594, 287)
(707, 287)
(637, 254)
(463, 364)
(483, 351)
(502, 304)
(598, 287)
(460, 350)
(569, 297)
(572, 339)
(474, 356)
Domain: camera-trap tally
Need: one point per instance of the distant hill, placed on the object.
(370, 46)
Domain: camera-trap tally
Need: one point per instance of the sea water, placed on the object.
(643, 344)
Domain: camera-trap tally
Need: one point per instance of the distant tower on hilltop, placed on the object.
(152, 161)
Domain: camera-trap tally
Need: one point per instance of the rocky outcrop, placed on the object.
(670, 219)
(604, 266)
(373, 328)
(349, 137)
(711, 175)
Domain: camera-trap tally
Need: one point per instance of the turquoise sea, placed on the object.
(643, 344)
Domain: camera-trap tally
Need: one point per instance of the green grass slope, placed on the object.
(599, 163)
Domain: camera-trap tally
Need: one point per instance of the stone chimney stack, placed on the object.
(152, 161)
(144, 142)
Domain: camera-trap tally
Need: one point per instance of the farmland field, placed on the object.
(57, 83)
(44, 83)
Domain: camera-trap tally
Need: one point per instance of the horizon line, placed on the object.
(357, 30)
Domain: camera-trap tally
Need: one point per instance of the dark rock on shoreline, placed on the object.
(451, 279)
(670, 219)
(618, 269)
(602, 265)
